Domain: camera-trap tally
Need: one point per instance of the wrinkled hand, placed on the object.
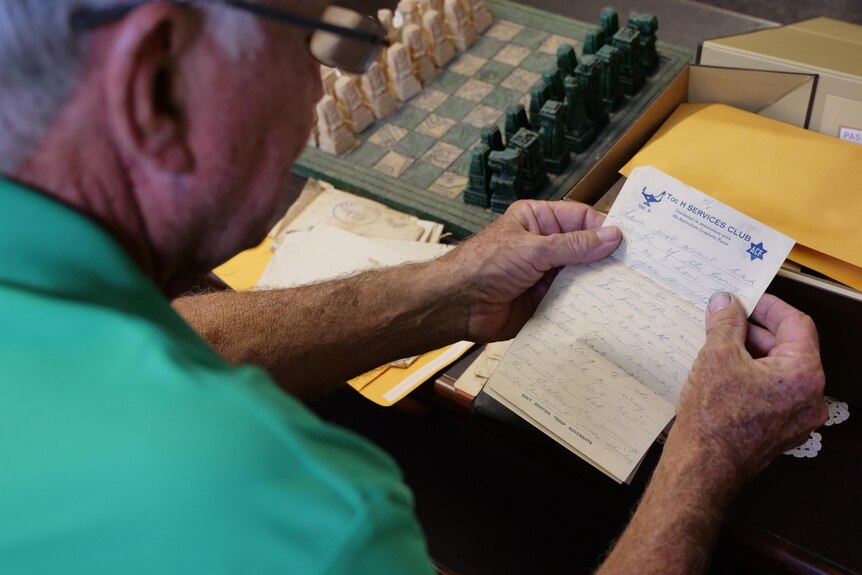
(753, 391)
(509, 266)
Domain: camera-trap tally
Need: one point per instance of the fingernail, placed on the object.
(608, 234)
(718, 301)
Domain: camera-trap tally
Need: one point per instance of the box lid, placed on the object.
(821, 43)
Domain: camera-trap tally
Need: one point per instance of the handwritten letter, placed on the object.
(601, 364)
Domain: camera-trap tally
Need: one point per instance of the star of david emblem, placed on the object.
(756, 251)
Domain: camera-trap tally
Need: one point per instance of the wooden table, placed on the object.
(495, 495)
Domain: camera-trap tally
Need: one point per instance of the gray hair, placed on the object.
(42, 60)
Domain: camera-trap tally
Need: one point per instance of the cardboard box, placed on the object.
(829, 48)
(783, 96)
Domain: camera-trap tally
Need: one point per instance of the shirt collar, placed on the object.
(49, 247)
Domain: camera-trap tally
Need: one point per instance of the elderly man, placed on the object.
(144, 143)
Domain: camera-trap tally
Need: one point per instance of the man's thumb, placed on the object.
(583, 246)
(725, 317)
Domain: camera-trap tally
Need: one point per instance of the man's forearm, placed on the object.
(313, 338)
(679, 517)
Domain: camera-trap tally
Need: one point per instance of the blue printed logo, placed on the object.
(756, 251)
(651, 199)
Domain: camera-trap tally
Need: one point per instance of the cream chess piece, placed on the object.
(376, 92)
(333, 135)
(423, 67)
(424, 6)
(461, 31)
(356, 115)
(328, 78)
(314, 136)
(401, 79)
(386, 18)
(436, 5)
(481, 17)
(439, 47)
(409, 12)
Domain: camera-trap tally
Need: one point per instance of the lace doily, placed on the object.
(838, 413)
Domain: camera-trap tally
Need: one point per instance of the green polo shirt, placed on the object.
(128, 446)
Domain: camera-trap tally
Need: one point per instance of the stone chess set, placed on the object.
(522, 109)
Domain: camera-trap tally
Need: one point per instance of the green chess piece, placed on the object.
(594, 39)
(627, 41)
(567, 60)
(579, 131)
(612, 90)
(507, 184)
(589, 75)
(610, 22)
(554, 79)
(539, 94)
(534, 173)
(516, 118)
(647, 25)
(492, 137)
(553, 134)
(478, 190)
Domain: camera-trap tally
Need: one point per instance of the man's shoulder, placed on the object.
(143, 440)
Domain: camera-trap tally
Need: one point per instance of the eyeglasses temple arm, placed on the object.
(84, 19)
(304, 22)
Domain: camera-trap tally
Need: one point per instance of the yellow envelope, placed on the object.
(804, 184)
(242, 271)
(385, 386)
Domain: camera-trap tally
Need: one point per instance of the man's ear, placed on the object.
(145, 107)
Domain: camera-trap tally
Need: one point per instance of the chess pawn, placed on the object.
(423, 67)
(376, 91)
(461, 31)
(481, 17)
(401, 79)
(328, 78)
(356, 116)
(439, 47)
(333, 135)
(409, 13)
(567, 60)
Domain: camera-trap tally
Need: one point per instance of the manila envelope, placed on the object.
(804, 184)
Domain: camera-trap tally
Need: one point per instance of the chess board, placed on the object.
(417, 159)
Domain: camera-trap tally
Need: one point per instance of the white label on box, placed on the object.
(850, 135)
